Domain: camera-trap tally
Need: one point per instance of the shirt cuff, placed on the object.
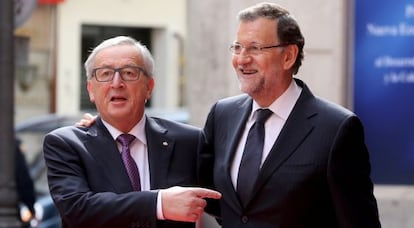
(160, 215)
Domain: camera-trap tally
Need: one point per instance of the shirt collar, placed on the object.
(138, 130)
(284, 104)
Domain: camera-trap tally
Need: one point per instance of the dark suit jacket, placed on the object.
(90, 186)
(24, 184)
(316, 175)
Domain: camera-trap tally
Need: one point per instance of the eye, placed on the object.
(254, 49)
(106, 72)
(236, 48)
(128, 71)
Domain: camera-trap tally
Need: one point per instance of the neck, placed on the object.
(267, 96)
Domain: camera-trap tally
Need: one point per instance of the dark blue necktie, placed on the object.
(129, 163)
(252, 156)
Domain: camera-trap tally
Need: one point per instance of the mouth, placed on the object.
(118, 99)
(247, 71)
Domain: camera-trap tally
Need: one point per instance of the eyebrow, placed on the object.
(250, 43)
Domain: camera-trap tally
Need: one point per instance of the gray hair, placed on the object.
(117, 41)
(288, 30)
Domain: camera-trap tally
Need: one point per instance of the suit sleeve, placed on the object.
(206, 168)
(349, 177)
(78, 205)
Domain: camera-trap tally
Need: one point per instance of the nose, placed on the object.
(243, 58)
(244, 51)
(117, 80)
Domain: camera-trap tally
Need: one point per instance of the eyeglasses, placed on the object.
(127, 73)
(236, 49)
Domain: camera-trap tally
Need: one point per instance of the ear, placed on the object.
(150, 87)
(89, 87)
(290, 54)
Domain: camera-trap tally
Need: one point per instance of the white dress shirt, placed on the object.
(281, 108)
(138, 148)
(139, 152)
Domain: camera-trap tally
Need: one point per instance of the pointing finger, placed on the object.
(206, 193)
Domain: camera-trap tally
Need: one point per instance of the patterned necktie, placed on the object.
(129, 163)
(252, 156)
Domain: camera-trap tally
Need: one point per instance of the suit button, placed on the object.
(245, 219)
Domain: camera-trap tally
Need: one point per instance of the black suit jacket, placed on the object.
(316, 175)
(24, 184)
(90, 186)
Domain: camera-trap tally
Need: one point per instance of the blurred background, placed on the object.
(357, 53)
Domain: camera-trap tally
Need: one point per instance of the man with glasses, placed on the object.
(308, 165)
(120, 171)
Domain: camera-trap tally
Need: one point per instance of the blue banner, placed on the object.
(384, 86)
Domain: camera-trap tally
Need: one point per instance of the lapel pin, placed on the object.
(164, 143)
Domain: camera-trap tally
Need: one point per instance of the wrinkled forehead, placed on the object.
(260, 30)
(118, 55)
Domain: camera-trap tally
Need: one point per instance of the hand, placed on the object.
(185, 203)
(86, 121)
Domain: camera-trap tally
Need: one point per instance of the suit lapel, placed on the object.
(160, 148)
(238, 117)
(104, 150)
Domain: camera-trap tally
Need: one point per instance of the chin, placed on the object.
(245, 88)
